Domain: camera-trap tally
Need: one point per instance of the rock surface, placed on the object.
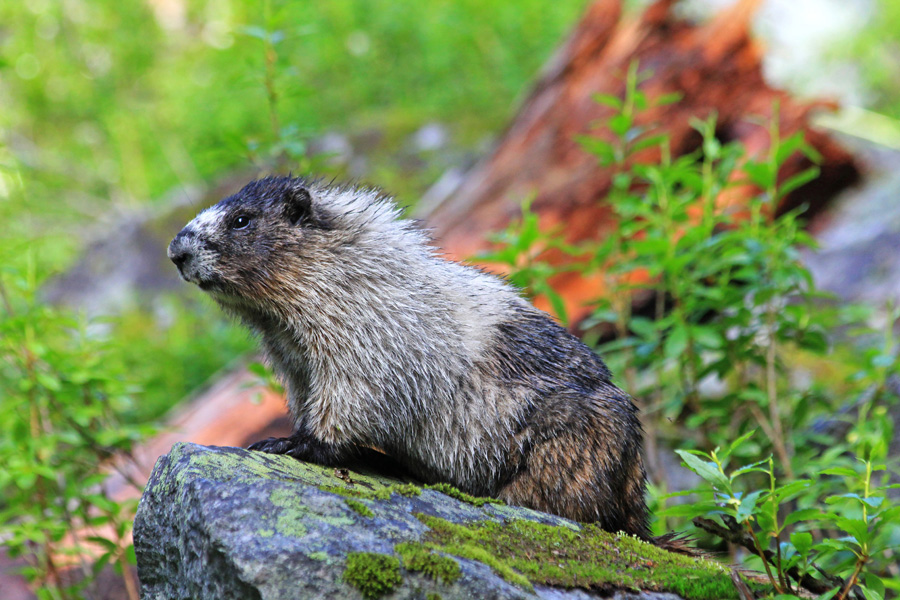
(228, 523)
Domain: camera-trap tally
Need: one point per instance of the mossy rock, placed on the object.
(229, 523)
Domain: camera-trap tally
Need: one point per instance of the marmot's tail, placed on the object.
(677, 542)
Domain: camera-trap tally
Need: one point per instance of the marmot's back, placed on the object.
(382, 343)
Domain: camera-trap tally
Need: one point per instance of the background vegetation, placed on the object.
(110, 107)
(796, 472)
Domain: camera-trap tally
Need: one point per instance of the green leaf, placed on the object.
(874, 501)
(871, 594)
(647, 142)
(26, 480)
(599, 148)
(842, 471)
(841, 545)
(690, 510)
(788, 146)
(708, 337)
(109, 545)
(100, 563)
(786, 491)
(643, 327)
(736, 443)
(855, 527)
(707, 470)
(665, 99)
(795, 181)
(619, 124)
(608, 100)
(747, 506)
(805, 514)
(802, 541)
(712, 148)
(874, 585)
(759, 173)
(754, 468)
(891, 514)
(676, 341)
(883, 360)
(49, 381)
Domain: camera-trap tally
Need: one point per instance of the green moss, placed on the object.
(382, 493)
(483, 555)
(404, 489)
(409, 490)
(433, 596)
(321, 556)
(373, 574)
(418, 557)
(360, 508)
(446, 488)
(342, 491)
(526, 553)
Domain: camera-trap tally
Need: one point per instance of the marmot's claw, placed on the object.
(273, 445)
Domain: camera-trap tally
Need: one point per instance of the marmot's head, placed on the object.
(239, 246)
(279, 234)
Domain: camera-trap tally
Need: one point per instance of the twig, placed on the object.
(852, 581)
(741, 586)
(6, 302)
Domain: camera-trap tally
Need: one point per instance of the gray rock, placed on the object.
(124, 263)
(228, 523)
(335, 146)
(432, 136)
(859, 257)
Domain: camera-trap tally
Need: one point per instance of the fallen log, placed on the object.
(715, 67)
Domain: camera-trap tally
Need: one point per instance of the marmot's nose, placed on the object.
(179, 259)
(178, 251)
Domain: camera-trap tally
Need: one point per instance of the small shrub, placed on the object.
(62, 392)
(733, 313)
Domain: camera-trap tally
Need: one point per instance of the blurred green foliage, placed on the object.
(64, 389)
(873, 52)
(115, 104)
(112, 106)
(177, 351)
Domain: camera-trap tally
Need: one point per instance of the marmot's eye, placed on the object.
(240, 222)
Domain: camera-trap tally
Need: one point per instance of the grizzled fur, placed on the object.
(383, 344)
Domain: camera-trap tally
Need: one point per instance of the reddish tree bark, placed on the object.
(716, 67)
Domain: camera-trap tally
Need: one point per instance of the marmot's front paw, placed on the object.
(274, 445)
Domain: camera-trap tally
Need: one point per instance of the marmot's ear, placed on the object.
(299, 209)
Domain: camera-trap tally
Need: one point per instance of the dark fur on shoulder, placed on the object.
(384, 344)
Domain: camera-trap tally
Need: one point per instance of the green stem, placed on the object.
(271, 59)
(772, 394)
(776, 529)
(762, 555)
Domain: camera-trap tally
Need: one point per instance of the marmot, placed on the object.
(382, 343)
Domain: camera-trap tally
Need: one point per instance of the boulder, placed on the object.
(217, 522)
